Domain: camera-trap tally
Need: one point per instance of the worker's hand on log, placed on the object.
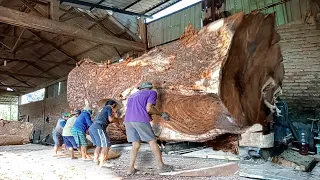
(165, 116)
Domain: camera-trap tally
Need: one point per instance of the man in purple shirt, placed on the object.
(140, 106)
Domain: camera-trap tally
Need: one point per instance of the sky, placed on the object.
(176, 7)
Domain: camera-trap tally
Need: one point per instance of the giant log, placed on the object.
(14, 132)
(214, 82)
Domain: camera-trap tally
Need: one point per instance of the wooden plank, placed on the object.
(294, 159)
(209, 153)
(26, 20)
(218, 170)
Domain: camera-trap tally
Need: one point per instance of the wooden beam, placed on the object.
(108, 18)
(39, 2)
(24, 45)
(43, 70)
(85, 15)
(143, 30)
(13, 86)
(22, 81)
(124, 28)
(29, 6)
(16, 43)
(89, 49)
(71, 16)
(53, 45)
(21, 39)
(6, 46)
(10, 93)
(35, 61)
(44, 85)
(24, 75)
(119, 54)
(26, 20)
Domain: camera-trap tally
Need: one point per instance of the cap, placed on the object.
(145, 85)
(65, 114)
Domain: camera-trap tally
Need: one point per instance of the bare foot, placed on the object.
(74, 158)
(88, 157)
(96, 161)
(131, 171)
(105, 164)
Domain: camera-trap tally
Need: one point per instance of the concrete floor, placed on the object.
(36, 162)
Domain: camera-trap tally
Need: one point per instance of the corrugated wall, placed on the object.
(285, 13)
(172, 27)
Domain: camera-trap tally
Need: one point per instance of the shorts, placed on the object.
(99, 136)
(70, 142)
(139, 131)
(57, 138)
(79, 137)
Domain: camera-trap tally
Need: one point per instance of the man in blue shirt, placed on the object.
(98, 132)
(57, 132)
(79, 130)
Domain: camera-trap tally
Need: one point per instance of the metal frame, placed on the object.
(91, 5)
(156, 6)
(169, 6)
(132, 4)
(101, 1)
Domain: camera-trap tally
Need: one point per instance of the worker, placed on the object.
(98, 132)
(140, 106)
(57, 132)
(68, 139)
(80, 129)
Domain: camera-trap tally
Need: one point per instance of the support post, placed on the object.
(143, 30)
(54, 10)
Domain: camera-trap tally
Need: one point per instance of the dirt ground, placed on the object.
(37, 162)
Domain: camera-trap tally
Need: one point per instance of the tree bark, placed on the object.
(14, 132)
(217, 81)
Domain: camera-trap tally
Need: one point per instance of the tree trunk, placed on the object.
(217, 81)
(14, 132)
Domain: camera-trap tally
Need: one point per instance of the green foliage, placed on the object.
(33, 96)
(8, 113)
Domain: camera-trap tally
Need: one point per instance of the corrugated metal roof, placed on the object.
(172, 27)
(8, 99)
(143, 7)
